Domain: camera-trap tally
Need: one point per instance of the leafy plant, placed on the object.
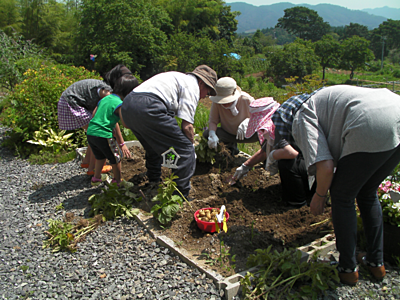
(59, 206)
(66, 235)
(169, 204)
(203, 152)
(33, 103)
(281, 275)
(114, 201)
(48, 138)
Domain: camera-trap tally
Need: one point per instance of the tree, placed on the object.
(304, 23)
(122, 32)
(356, 29)
(10, 19)
(355, 54)
(388, 33)
(201, 18)
(327, 49)
(17, 55)
(295, 59)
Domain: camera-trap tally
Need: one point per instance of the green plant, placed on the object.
(48, 138)
(24, 268)
(223, 259)
(33, 103)
(203, 152)
(46, 157)
(282, 275)
(66, 235)
(169, 204)
(114, 201)
(59, 206)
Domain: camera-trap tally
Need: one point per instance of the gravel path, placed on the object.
(118, 261)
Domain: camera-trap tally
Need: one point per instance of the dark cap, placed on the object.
(207, 75)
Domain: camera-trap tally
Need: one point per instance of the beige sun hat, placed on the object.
(227, 91)
(207, 75)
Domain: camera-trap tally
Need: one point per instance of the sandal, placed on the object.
(85, 166)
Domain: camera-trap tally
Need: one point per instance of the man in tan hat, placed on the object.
(230, 108)
(150, 110)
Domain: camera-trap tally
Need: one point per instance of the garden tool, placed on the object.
(221, 218)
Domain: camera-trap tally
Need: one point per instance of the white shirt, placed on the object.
(179, 91)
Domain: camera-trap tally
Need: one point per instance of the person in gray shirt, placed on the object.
(349, 137)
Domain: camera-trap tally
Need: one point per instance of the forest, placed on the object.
(47, 45)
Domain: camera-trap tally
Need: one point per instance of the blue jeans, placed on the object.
(358, 176)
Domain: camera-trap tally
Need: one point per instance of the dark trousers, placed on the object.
(358, 176)
(157, 130)
(294, 181)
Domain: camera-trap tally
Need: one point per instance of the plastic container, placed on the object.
(208, 226)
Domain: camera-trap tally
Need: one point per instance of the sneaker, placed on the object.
(377, 270)
(97, 181)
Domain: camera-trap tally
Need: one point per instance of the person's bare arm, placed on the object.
(257, 157)
(188, 130)
(287, 152)
(103, 93)
(324, 179)
(120, 140)
(122, 119)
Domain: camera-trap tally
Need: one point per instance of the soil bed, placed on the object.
(258, 216)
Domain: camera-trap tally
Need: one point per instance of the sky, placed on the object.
(350, 4)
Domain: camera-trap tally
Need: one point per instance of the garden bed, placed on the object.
(258, 216)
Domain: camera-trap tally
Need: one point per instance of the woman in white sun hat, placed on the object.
(230, 108)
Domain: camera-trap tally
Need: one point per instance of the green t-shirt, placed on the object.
(103, 122)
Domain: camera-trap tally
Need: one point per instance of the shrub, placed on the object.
(33, 103)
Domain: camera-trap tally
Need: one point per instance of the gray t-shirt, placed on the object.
(341, 120)
(85, 93)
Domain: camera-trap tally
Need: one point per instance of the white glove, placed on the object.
(212, 140)
(242, 129)
(241, 171)
(271, 164)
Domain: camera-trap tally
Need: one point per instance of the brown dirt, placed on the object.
(258, 216)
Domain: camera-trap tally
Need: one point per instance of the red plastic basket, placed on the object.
(207, 226)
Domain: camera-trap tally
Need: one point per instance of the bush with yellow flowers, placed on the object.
(33, 103)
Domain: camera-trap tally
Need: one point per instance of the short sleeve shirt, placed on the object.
(180, 92)
(85, 93)
(342, 120)
(105, 119)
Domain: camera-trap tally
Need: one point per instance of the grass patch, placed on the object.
(51, 158)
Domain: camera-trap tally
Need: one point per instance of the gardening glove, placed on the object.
(271, 164)
(241, 131)
(212, 140)
(241, 171)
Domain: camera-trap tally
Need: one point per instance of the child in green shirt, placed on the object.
(104, 125)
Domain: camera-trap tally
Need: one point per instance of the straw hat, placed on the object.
(227, 91)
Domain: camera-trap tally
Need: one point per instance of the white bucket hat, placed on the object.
(227, 91)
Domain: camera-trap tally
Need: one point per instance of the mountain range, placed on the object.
(266, 16)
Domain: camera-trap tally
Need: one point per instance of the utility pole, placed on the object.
(383, 47)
